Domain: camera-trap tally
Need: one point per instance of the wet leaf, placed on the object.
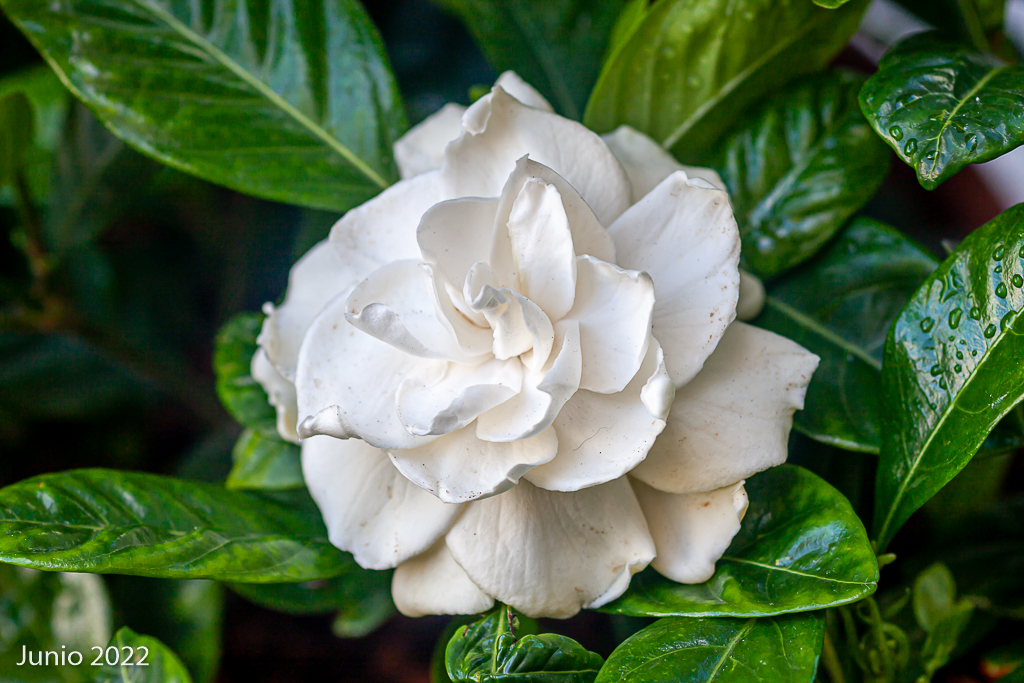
(943, 106)
(801, 547)
(951, 369)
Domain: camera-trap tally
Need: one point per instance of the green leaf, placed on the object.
(186, 615)
(319, 597)
(779, 649)
(107, 521)
(688, 67)
(162, 665)
(951, 369)
(16, 122)
(801, 547)
(966, 20)
(870, 272)
(943, 637)
(943, 106)
(265, 462)
(244, 398)
(488, 651)
(291, 101)
(555, 45)
(798, 168)
(48, 610)
(361, 617)
(934, 595)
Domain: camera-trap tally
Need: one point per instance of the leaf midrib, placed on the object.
(933, 434)
(819, 329)
(736, 80)
(787, 570)
(227, 62)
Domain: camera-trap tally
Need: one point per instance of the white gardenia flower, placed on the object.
(476, 359)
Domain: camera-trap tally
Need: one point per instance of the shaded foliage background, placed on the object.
(114, 368)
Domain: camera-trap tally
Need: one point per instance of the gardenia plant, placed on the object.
(624, 332)
(517, 375)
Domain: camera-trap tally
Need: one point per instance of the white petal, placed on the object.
(323, 273)
(691, 530)
(280, 392)
(422, 148)
(686, 238)
(548, 554)
(647, 163)
(441, 398)
(498, 130)
(541, 246)
(434, 583)
(347, 381)
(394, 304)
(603, 436)
(515, 86)
(456, 234)
(370, 509)
(752, 297)
(518, 325)
(614, 309)
(459, 467)
(384, 228)
(734, 418)
(588, 235)
(470, 332)
(544, 392)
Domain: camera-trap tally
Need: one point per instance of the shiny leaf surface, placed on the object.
(943, 106)
(291, 101)
(870, 273)
(798, 168)
(951, 370)
(244, 398)
(779, 649)
(685, 69)
(163, 665)
(106, 521)
(801, 547)
(555, 45)
(263, 461)
(488, 651)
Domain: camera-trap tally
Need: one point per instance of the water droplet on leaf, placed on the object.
(896, 132)
(927, 324)
(954, 318)
(910, 149)
(990, 331)
(1001, 290)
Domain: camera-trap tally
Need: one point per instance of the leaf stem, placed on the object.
(830, 658)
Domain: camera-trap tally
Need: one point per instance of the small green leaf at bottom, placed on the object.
(136, 658)
(779, 649)
(488, 651)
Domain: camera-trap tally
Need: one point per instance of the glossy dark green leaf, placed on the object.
(162, 665)
(291, 101)
(870, 272)
(801, 547)
(244, 398)
(951, 370)
(943, 106)
(16, 123)
(319, 597)
(185, 615)
(687, 68)
(488, 652)
(263, 461)
(798, 168)
(778, 649)
(556, 45)
(107, 521)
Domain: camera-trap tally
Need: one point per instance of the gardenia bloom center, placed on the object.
(516, 373)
